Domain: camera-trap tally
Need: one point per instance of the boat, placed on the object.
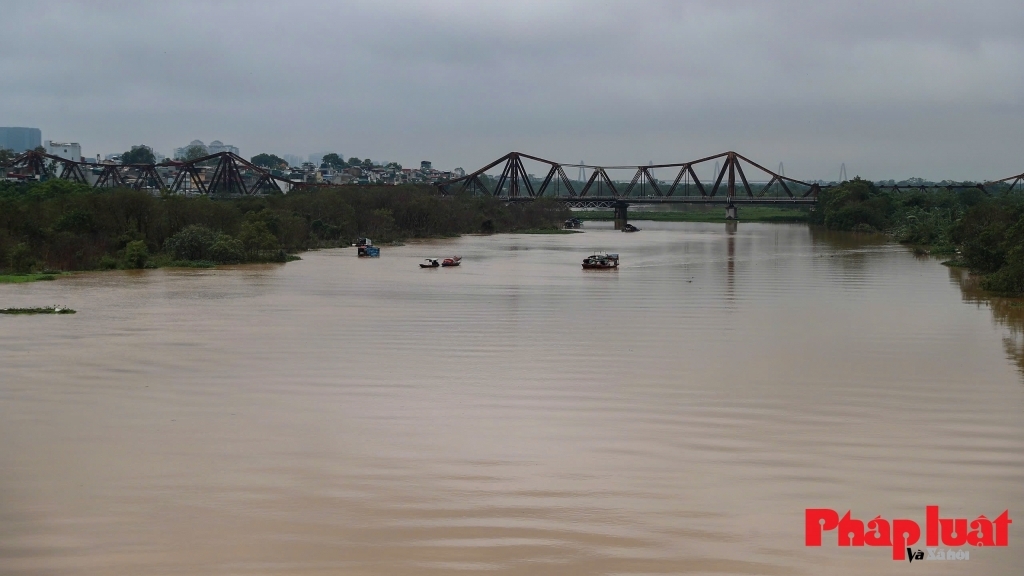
(366, 249)
(430, 263)
(601, 262)
(573, 223)
(453, 261)
(630, 228)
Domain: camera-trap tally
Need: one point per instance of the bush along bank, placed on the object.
(63, 226)
(982, 231)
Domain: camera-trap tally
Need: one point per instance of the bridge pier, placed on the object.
(621, 209)
(731, 212)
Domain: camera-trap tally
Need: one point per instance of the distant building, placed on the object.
(217, 146)
(426, 166)
(68, 150)
(179, 153)
(318, 157)
(293, 160)
(20, 139)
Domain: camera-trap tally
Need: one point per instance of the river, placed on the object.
(515, 415)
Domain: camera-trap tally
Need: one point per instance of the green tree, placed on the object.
(335, 161)
(227, 250)
(354, 161)
(77, 221)
(195, 151)
(853, 205)
(257, 239)
(271, 161)
(191, 243)
(20, 260)
(140, 154)
(6, 155)
(135, 254)
(367, 163)
(393, 166)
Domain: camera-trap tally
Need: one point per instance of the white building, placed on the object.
(217, 146)
(67, 150)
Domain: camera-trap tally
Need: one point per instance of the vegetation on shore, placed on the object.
(704, 214)
(46, 310)
(21, 278)
(984, 231)
(60, 225)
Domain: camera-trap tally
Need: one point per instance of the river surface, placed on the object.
(514, 416)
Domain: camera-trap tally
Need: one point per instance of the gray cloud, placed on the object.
(893, 89)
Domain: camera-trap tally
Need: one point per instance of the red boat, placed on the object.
(453, 261)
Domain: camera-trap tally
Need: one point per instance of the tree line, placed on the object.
(275, 162)
(982, 229)
(61, 225)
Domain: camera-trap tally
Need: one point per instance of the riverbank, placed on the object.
(23, 278)
(61, 225)
(982, 230)
(702, 214)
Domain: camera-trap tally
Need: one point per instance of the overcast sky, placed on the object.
(893, 89)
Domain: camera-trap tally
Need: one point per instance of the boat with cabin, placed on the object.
(601, 262)
(366, 249)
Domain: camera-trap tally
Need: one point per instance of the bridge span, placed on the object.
(735, 180)
(675, 183)
(650, 184)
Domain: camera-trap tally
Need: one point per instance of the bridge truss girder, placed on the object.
(230, 175)
(515, 180)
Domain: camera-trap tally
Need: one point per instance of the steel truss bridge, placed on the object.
(755, 184)
(229, 174)
(600, 190)
(221, 173)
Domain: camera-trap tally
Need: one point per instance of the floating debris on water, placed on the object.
(46, 310)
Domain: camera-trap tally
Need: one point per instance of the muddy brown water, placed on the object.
(515, 415)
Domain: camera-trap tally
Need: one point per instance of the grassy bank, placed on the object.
(21, 278)
(701, 214)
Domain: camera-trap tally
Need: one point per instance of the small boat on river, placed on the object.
(601, 262)
(430, 263)
(453, 261)
(366, 249)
